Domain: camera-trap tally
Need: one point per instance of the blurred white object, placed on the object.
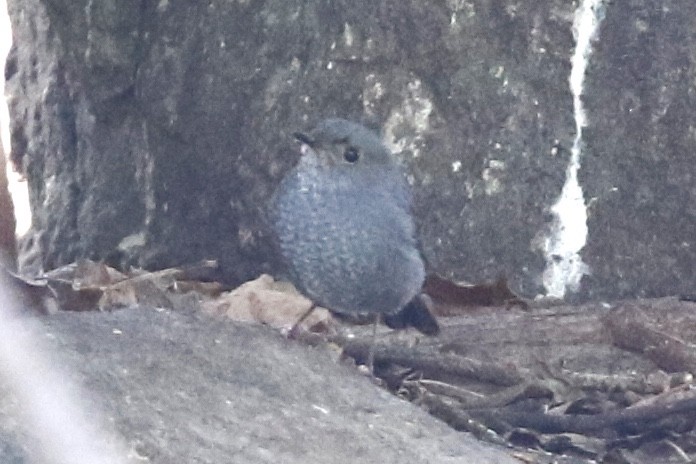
(60, 429)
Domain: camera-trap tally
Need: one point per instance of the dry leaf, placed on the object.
(86, 273)
(264, 300)
(451, 298)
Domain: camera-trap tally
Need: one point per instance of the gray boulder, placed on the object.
(183, 387)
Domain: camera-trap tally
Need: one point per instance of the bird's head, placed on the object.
(337, 142)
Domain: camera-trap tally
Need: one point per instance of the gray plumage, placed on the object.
(343, 222)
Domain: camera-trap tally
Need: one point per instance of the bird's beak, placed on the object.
(303, 138)
(306, 142)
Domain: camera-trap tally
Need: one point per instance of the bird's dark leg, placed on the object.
(296, 327)
(371, 351)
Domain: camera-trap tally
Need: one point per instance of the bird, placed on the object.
(342, 219)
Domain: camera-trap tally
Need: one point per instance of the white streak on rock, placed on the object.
(564, 266)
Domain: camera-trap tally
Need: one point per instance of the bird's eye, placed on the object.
(351, 154)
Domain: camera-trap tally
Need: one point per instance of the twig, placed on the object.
(435, 365)
(630, 330)
(547, 423)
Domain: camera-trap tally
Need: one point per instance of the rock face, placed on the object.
(639, 171)
(8, 243)
(153, 133)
